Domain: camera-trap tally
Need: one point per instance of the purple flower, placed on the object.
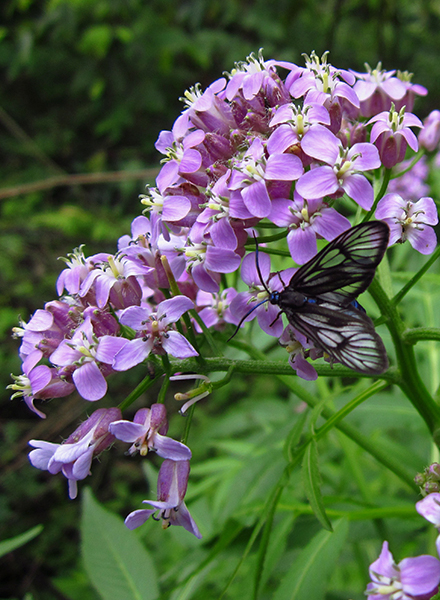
(155, 332)
(170, 207)
(90, 358)
(254, 172)
(320, 83)
(409, 221)
(297, 346)
(74, 456)
(257, 76)
(171, 489)
(205, 260)
(429, 137)
(305, 220)
(291, 124)
(377, 89)
(148, 432)
(28, 385)
(182, 150)
(391, 134)
(429, 508)
(412, 579)
(78, 267)
(343, 173)
(216, 308)
(114, 280)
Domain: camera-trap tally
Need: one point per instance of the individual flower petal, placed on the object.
(90, 382)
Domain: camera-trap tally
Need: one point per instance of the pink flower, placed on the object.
(412, 579)
(155, 333)
(343, 173)
(171, 489)
(74, 456)
(409, 221)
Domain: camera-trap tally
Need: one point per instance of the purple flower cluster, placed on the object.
(415, 578)
(253, 146)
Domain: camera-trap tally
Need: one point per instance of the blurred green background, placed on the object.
(86, 87)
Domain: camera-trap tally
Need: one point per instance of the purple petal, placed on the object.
(317, 183)
(283, 167)
(429, 508)
(419, 575)
(182, 517)
(282, 138)
(170, 311)
(302, 244)
(249, 272)
(177, 345)
(138, 517)
(427, 205)
(269, 319)
(175, 208)
(330, 224)
(221, 260)
(303, 368)
(133, 353)
(368, 159)
(191, 161)
(126, 431)
(40, 457)
(423, 240)
(322, 144)
(168, 175)
(281, 214)
(134, 317)
(223, 236)
(360, 190)
(394, 88)
(81, 467)
(256, 199)
(208, 282)
(90, 382)
(384, 565)
(108, 347)
(168, 448)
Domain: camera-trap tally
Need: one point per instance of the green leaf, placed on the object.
(311, 480)
(117, 563)
(19, 540)
(309, 574)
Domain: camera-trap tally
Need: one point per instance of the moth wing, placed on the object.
(345, 267)
(347, 335)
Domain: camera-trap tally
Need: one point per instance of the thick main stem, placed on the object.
(410, 381)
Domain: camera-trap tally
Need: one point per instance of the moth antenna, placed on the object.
(257, 264)
(244, 318)
(281, 279)
(262, 283)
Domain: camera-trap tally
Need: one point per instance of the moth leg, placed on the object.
(276, 318)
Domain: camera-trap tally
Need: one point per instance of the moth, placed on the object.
(320, 299)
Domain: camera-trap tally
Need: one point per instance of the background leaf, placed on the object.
(117, 563)
(307, 578)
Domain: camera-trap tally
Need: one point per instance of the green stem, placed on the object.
(417, 334)
(411, 383)
(406, 288)
(380, 194)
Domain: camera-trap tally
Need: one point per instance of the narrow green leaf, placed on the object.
(311, 570)
(312, 480)
(294, 436)
(19, 540)
(117, 563)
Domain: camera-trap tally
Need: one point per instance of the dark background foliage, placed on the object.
(86, 86)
